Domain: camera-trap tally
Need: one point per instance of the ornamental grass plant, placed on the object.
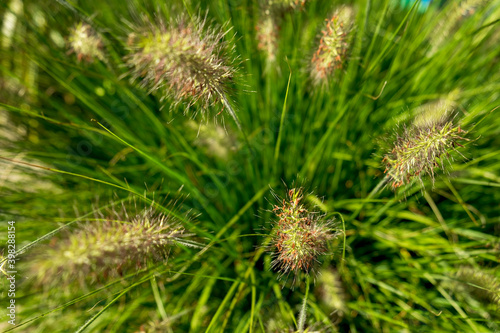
(250, 166)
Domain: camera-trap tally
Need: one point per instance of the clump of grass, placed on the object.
(398, 252)
(85, 43)
(186, 59)
(118, 240)
(299, 236)
(423, 147)
(333, 46)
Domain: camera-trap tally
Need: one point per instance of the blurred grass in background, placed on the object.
(423, 258)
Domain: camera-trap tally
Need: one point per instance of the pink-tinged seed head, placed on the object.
(299, 236)
(267, 36)
(332, 51)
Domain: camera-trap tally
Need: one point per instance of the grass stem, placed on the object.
(303, 310)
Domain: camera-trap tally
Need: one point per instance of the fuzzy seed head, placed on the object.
(267, 36)
(333, 46)
(483, 285)
(445, 29)
(157, 326)
(299, 236)
(422, 148)
(185, 59)
(436, 112)
(293, 4)
(214, 140)
(117, 242)
(331, 291)
(85, 43)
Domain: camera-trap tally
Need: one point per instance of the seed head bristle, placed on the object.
(333, 45)
(185, 59)
(85, 43)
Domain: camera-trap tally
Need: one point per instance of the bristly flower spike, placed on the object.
(185, 59)
(333, 46)
(479, 283)
(423, 147)
(299, 236)
(118, 241)
(267, 37)
(85, 43)
(445, 29)
(293, 4)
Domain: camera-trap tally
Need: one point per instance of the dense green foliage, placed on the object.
(79, 134)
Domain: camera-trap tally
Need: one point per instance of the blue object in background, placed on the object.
(422, 7)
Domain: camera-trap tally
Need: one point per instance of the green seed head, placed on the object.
(331, 291)
(293, 4)
(117, 241)
(184, 59)
(422, 148)
(85, 43)
(436, 112)
(445, 30)
(480, 284)
(214, 140)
